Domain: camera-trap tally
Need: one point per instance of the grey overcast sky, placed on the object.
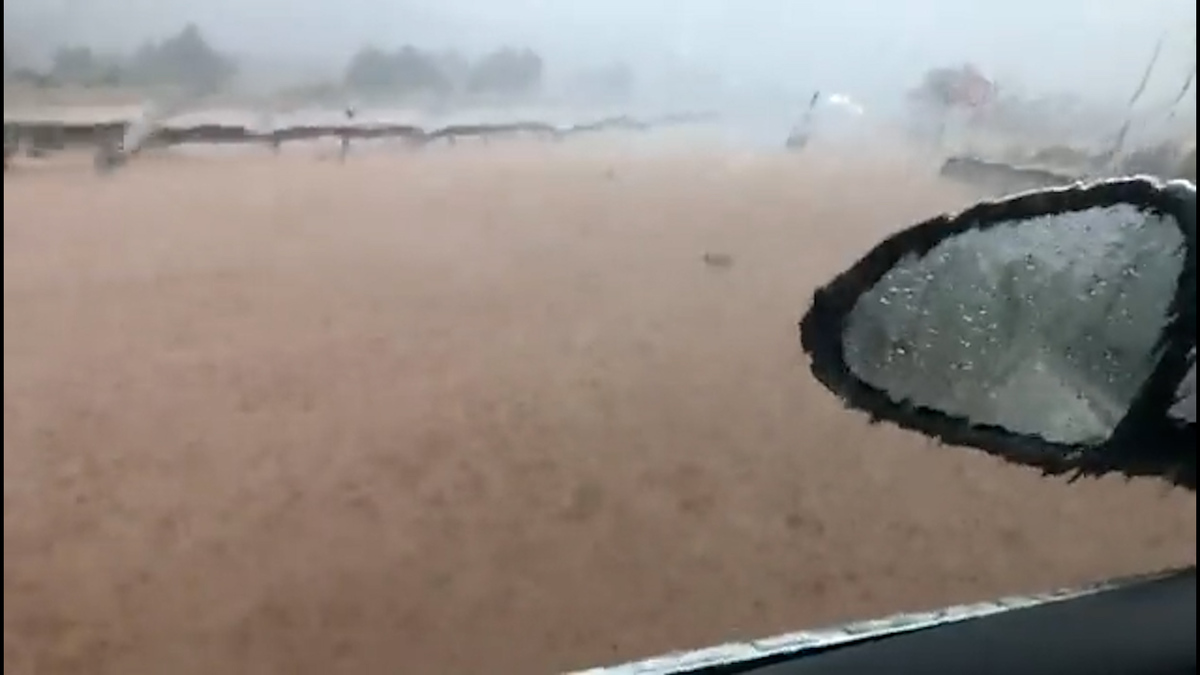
(1093, 47)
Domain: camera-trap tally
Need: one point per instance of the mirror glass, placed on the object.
(1046, 326)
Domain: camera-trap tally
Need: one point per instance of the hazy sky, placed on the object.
(867, 47)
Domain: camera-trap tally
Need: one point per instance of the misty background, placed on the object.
(723, 53)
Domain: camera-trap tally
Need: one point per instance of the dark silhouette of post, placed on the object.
(350, 113)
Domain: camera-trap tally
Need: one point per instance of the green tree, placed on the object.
(507, 71)
(408, 70)
(370, 68)
(185, 58)
(82, 66)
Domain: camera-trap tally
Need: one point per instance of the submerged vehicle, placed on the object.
(1056, 329)
(1060, 165)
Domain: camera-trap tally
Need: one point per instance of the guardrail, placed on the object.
(115, 144)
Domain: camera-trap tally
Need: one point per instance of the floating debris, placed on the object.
(718, 260)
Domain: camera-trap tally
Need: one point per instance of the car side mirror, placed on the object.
(1054, 328)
